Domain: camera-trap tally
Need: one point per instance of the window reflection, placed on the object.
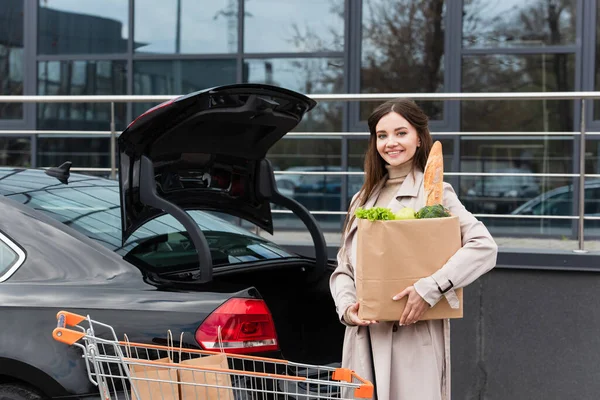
(15, 152)
(179, 77)
(490, 23)
(11, 57)
(510, 156)
(91, 152)
(304, 75)
(206, 26)
(518, 73)
(592, 158)
(84, 27)
(403, 50)
(318, 192)
(293, 26)
(597, 63)
(80, 78)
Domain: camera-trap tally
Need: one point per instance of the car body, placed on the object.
(155, 251)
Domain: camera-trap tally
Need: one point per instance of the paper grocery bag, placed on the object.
(187, 379)
(392, 255)
(142, 377)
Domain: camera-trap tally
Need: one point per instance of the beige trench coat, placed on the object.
(476, 257)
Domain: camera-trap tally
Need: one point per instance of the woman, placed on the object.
(407, 359)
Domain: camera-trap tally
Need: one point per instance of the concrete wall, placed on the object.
(528, 334)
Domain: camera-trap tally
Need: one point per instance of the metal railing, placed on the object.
(582, 134)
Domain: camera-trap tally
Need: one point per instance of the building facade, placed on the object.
(151, 47)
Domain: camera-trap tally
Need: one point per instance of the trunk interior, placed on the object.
(307, 325)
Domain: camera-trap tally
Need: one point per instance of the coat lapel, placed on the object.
(408, 193)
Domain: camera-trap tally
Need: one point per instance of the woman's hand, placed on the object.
(351, 316)
(415, 306)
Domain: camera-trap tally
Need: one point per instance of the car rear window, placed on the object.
(162, 243)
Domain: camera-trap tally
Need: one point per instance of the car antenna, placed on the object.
(61, 173)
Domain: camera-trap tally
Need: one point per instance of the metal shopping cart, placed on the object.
(134, 371)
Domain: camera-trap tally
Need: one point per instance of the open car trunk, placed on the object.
(307, 325)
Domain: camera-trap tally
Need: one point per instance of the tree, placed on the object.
(403, 49)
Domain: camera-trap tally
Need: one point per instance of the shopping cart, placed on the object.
(134, 371)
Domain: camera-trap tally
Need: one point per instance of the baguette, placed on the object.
(434, 176)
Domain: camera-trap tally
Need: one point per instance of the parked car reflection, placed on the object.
(323, 192)
(501, 194)
(559, 202)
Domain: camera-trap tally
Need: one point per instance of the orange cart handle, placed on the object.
(366, 389)
(65, 318)
(63, 334)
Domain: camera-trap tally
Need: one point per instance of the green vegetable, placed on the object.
(375, 214)
(385, 214)
(435, 211)
(406, 213)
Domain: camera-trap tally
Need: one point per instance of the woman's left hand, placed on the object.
(415, 306)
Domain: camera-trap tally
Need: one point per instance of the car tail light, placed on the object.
(245, 325)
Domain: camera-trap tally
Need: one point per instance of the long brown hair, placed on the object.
(375, 165)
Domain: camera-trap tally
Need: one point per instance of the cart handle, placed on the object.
(63, 334)
(365, 391)
(65, 318)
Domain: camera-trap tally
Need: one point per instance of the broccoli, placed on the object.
(435, 211)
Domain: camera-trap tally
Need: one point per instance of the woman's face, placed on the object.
(397, 140)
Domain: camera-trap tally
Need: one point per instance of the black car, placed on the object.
(160, 249)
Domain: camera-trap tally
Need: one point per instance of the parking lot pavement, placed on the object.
(333, 239)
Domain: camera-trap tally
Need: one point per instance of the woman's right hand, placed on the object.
(351, 316)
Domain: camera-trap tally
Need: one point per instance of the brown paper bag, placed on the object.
(392, 255)
(148, 390)
(187, 378)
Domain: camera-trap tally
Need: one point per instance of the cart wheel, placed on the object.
(12, 391)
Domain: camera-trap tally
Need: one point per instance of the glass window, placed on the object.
(11, 257)
(516, 155)
(597, 66)
(293, 26)
(81, 78)
(518, 73)
(11, 57)
(592, 157)
(490, 23)
(304, 75)
(15, 152)
(403, 50)
(179, 77)
(207, 26)
(298, 155)
(82, 27)
(301, 153)
(89, 152)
